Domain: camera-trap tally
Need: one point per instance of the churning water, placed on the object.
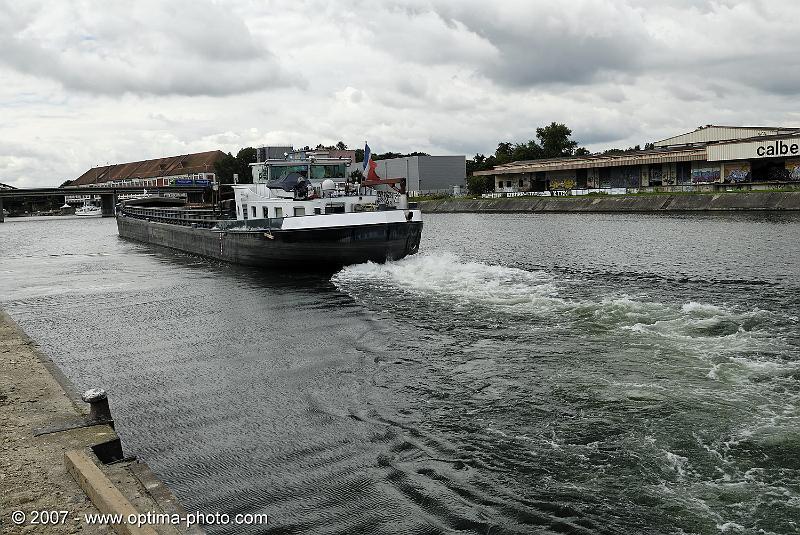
(522, 374)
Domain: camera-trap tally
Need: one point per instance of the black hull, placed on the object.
(311, 249)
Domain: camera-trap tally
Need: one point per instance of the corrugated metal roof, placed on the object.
(201, 162)
(588, 162)
(713, 133)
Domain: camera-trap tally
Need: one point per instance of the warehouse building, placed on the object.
(425, 174)
(744, 156)
(187, 170)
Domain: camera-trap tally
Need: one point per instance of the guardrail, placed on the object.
(678, 188)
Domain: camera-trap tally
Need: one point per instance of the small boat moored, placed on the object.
(89, 210)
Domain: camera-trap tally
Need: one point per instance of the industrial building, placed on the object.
(425, 174)
(744, 156)
(183, 170)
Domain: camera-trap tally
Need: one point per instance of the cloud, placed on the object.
(145, 47)
(86, 83)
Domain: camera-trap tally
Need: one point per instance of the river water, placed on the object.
(525, 373)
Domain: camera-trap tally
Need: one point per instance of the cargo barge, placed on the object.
(285, 219)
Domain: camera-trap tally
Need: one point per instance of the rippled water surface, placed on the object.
(523, 374)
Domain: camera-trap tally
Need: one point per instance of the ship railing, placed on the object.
(176, 216)
(249, 225)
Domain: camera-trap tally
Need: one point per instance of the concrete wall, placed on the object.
(756, 200)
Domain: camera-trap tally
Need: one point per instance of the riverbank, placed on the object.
(672, 202)
(42, 420)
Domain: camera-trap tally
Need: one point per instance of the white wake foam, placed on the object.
(446, 276)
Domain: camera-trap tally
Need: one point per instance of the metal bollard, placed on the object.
(98, 405)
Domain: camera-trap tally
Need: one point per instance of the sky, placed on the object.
(86, 83)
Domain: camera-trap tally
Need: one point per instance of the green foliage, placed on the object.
(357, 176)
(244, 158)
(224, 169)
(555, 141)
(239, 164)
(552, 141)
(478, 185)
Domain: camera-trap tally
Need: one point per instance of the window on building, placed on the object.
(244, 211)
(299, 211)
(656, 174)
(508, 183)
(520, 182)
(254, 212)
(264, 212)
(683, 172)
(278, 211)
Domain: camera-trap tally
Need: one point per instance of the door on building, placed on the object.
(580, 178)
(768, 170)
(539, 182)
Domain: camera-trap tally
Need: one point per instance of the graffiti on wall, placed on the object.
(562, 183)
(793, 169)
(737, 173)
(705, 175)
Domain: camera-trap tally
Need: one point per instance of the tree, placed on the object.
(555, 140)
(244, 158)
(65, 183)
(341, 146)
(357, 176)
(478, 185)
(224, 168)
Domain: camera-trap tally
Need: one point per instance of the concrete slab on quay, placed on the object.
(34, 395)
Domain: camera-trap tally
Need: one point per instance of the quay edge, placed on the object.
(653, 203)
(43, 420)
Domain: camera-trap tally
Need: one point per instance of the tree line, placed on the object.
(552, 141)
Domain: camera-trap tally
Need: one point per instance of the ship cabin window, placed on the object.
(244, 211)
(278, 211)
(278, 172)
(299, 210)
(321, 172)
(254, 212)
(317, 211)
(264, 212)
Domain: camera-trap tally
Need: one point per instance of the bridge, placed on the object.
(108, 195)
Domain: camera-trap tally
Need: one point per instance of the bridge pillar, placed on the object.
(107, 202)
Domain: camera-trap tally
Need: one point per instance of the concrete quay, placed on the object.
(53, 454)
(655, 203)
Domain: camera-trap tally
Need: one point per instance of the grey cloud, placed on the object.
(176, 48)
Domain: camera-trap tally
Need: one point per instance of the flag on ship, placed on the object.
(370, 163)
(367, 155)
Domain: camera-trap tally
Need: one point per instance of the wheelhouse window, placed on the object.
(278, 211)
(254, 212)
(277, 172)
(299, 211)
(244, 211)
(264, 212)
(321, 172)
